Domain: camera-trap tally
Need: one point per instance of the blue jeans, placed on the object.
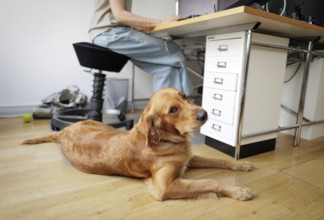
(162, 58)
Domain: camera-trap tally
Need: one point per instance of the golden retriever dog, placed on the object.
(157, 149)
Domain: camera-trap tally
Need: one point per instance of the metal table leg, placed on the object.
(303, 94)
(246, 69)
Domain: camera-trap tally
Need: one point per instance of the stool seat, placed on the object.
(100, 59)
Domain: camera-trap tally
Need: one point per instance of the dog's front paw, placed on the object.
(243, 194)
(247, 166)
(243, 166)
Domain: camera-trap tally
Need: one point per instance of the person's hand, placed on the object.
(170, 19)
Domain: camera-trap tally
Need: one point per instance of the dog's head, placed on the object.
(170, 117)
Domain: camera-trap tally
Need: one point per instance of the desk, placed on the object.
(252, 20)
(236, 19)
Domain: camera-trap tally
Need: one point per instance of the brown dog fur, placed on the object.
(157, 148)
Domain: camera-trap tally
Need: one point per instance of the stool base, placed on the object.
(67, 117)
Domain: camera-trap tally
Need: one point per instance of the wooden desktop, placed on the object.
(269, 23)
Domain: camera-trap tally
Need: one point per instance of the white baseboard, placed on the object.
(18, 110)
(15, 111)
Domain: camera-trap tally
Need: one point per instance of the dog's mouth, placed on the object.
(178, 132)
(182, 133)
(188, 131)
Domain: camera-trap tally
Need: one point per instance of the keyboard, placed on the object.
(188, 17)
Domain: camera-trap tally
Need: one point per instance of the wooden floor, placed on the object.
(36, 183)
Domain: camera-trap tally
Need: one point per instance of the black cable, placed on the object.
(295, 73)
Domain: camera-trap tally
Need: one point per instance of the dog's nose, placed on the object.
(202, 115)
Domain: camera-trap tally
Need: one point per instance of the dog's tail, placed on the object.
(49, 138)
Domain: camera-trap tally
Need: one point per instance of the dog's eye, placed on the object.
(173, 110)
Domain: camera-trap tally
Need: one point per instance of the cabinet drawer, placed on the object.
(220, 113)
(218, 97)
(224, 47)
(223, 64)
(224, 81)
(217, 130)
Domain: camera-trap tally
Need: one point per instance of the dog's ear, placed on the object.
(149, 125)
(147, 128)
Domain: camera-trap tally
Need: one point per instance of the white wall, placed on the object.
(37, 58)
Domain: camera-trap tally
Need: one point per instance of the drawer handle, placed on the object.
(217, 112)
(217, 127)
(223, 48)
(221, 64)
(218, 96)
(218, 80)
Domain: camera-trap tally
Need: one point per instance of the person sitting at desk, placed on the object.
(114, 26)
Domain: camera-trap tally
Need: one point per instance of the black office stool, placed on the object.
(100, 59)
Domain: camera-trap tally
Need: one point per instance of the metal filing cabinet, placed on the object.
(223, 90)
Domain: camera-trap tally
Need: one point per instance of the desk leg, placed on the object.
(246, 70)
(303, 94)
